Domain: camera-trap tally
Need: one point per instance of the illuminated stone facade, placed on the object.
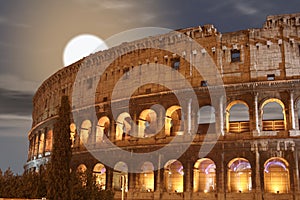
(256, 155)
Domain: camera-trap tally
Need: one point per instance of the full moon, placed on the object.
(81, 46)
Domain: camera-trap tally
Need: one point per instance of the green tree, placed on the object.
(59, 168)
(84, 187)
(8, 184)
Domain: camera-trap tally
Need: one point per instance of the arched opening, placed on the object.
(72, 133)
(276, 176)
(204, 176)
(173, 175)
(146, 179)
(102, 129)
(147, 123)
(81, 172)
(239, 175)
(206, 119)
(85, 131)
(273, 115)
(237, 117)
(99, 173)
(124, 126)
(48, 147)
(173, 122)
(120, 177)
(41, 145)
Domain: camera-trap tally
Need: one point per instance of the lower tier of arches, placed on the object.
(255, 169)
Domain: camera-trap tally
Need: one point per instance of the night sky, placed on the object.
(33, 35)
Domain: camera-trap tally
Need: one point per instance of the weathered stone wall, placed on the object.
(257, 66)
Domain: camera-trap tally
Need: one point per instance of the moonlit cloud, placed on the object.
(7, 22)
(116, 4)
(14, 117)
(245, 8)
(16, 83)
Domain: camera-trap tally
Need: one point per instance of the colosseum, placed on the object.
(189, 114)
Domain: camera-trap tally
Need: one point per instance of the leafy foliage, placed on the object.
(29, 185)
(84, 187)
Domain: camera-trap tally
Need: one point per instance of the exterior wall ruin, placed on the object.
(258, 67)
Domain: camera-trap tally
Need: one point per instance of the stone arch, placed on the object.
(173, 176)
(41, 144)
(173, 121)
(206, 119)
(204, 175)
(120, 176)
(146, 177)
(72, 133)
(147, 123)
(123, 126)
(237, 117)
(48, 147)
(99, 173)
(102, 129)
(85, 131)
(276, 175)
(239, 175)
(273, 115)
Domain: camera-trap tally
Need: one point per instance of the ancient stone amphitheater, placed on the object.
(214, 116)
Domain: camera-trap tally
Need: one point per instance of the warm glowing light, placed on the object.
(204, 175)
(174, 176)
(81, 46)
(276, 176)
(239, 175)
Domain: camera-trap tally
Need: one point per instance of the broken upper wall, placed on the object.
(275, 49)
(268, 53)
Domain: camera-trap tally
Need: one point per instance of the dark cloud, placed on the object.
(15, 102)
(229, 15)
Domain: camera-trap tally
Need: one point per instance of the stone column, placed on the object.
(188, 177)
(292, 111)
(131, 182)
(257, 173)
(256, 113)
(109, 178)
(135, 125)
(158, 180)
(92, 141)
(221, 186)
(37, 144)
(45, 139)
(189, 117)
(221, 113)
(112, 135)
(161, 122)
(296, 173)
